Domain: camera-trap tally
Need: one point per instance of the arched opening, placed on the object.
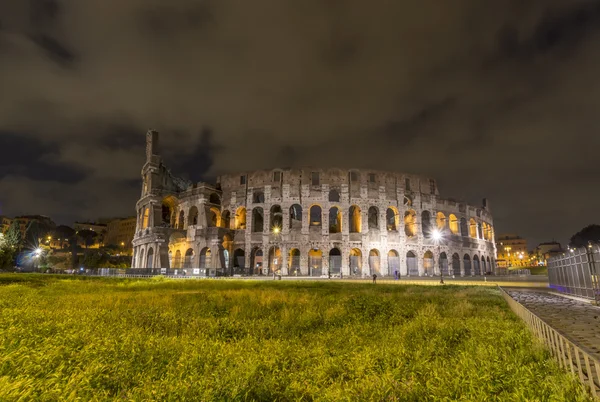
(455, 264)
(335, 220)
(205, 255)
(476, 266)
(408, 200)
(392, 219)
(373, 215)
(294, 262)
(214, 199)
(472, 228)
(258, 220)
(375, 262)
(171, 259)
(146, 218)
(166, 214)
(355, 219)
(316, 218)
(150, 258)
(181, 223)
(214, 217)
(490, 268)
(240, 218)
(444, 264)
(258, 197)
(440, 221)
(335, 261)
(467, 264)
(193, 216)
(479, 231)
(296, 217)
(334, 196)
(276, 219)
(239, 260)
(484, 267)
(275, 260)
(355, 262)
(315, 262)
(453, 224)
(426, 223)
(412, 267)
(410, 223)
(226, 219)
(428, 263)
(189, 258)
(256, 262)
(393, 263)
(177, 261)
(464, 229)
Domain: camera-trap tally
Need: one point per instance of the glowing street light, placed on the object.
(276, 229)
(38, 252)
(437, 237)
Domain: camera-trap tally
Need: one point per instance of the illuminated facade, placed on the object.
(307, 222)
(512, 251)
(120, 232)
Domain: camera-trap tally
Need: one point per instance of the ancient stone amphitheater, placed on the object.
(309, 222)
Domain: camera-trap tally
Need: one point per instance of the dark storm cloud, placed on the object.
(493, 99)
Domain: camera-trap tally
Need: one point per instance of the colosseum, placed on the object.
(307, 222)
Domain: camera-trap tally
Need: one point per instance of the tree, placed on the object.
(65, 233)
(87, 236)
(10, 245)
(588, 234)
(13, 236)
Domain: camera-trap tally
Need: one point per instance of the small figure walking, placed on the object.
(374, 278)
(396, 274)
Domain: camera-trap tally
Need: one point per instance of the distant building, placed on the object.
(43, 221)
(4, 224)
(512, 251)
(544, 251)
(99, 228)
(120, 232)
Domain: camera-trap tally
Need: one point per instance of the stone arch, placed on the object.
(275, 262)
(258, 220)
(226, 219)
(426, 223)
(276, 219)
(258, 197)
(193, 216)
(443, 264)
(355, 262)
(392, 219)
(177, 261)
(334, 196)
(335, 261)
(472, 228)
(410, 223)
(188, 262)
(240, 218)
(150, 258)
(440, 221)
(412, 267)
(375, 262)
(296, 217)
(453, 224)
(467, 264)
(355, 219)
(168, 207)
(205, 257)
(214, 218)
(464, 229)
(456, 264)
(428, 263)
(256, 261)
(393, 262)
(476, 265)
(335, 220)
(315, 262)
(214, 198)
(294, 261)
(181, 222)
(239, 259)
(316, 216)
(484, 267)
(373, 218)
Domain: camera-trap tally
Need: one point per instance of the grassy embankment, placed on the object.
(108, 339)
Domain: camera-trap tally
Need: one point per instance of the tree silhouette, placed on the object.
(588, 234)
(87, 236)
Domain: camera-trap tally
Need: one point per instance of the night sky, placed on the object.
(497, 99)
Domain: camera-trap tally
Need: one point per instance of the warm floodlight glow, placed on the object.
(436, 235)
(37, 252)
(276, 230)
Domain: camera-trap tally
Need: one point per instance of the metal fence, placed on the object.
(576, 272)
(569, 356)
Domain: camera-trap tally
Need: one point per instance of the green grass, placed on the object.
(108, 339)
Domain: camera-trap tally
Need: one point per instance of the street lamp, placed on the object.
(437, 237)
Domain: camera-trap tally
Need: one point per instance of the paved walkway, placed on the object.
(577, 320)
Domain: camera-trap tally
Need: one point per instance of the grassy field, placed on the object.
(110, 339)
